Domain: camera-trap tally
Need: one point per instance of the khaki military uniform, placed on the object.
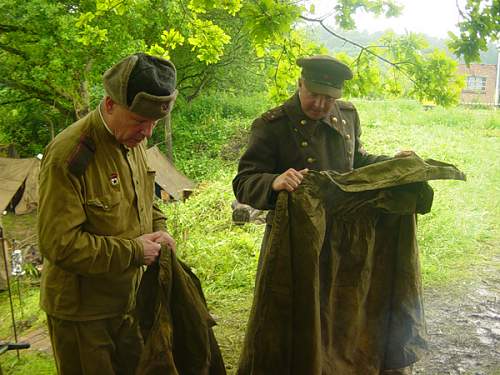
(96, 197)
(284, 138)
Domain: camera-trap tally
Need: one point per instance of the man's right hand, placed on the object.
(150, 247)
(289, 180)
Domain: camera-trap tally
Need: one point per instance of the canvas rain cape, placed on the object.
(339, 289)
(175, 322)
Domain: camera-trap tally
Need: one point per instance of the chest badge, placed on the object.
(114, 179)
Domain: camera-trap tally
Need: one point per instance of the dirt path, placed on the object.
(463, 323)
(39, 340)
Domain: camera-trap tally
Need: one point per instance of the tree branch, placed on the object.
(13, 28)
(363, 48)
(14, 51)
(185, 78)
(204, 81)
(36, 93)
(15, 101)
(460, 12)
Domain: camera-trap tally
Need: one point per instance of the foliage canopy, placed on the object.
(52, 53)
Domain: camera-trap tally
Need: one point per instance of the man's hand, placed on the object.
(151, 248)
(404, 153)
(163, 238)
(289, 180)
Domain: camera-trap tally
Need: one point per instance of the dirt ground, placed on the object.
(463, 324)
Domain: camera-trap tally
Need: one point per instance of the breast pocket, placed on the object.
(104, 214)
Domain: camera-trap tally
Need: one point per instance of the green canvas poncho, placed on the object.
(339, 290)
(175, 322)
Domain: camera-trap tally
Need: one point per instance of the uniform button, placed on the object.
(349, 152)
(137, 182)
(303, 122)
(334, 119)
(105, 206)
(304, 144)
(343, 122)
(311, 160)
(347, 136)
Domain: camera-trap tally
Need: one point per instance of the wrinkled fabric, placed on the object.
(339, 287)
(175, 322)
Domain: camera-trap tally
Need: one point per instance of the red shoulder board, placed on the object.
(81, 156)
(273, 114)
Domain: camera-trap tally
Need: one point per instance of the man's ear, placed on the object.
(108, 104)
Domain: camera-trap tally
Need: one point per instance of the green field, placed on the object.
(457, 238)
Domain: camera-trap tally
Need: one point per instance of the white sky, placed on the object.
(432, 17)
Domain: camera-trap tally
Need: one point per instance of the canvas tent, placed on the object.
(19, 184)
(19, 181)
(168, 178)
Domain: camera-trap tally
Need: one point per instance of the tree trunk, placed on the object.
(168, 138)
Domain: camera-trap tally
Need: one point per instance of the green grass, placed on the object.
(458, 237)
(26, 309)
(28, 317)
(460, 232)
(29, 362)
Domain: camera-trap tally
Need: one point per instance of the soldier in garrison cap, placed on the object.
(98, 224)
(313, 130)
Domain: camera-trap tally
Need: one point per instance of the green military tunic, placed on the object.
(96, 197)
(285, 137)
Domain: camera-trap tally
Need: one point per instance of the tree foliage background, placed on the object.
(53, 53)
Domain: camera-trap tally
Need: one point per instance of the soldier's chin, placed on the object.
(133, 142)
(313, 115)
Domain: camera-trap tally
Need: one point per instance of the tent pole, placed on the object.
(2, 239)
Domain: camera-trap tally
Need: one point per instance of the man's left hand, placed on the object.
(163, 238)
(404, 153)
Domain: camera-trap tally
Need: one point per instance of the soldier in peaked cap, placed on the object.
(98, 224)
(313, 130)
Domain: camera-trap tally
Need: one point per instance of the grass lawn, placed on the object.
(458, 236)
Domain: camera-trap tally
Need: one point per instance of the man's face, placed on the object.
(315, 106)
(128, 127)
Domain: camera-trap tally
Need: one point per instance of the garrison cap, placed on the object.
(143, 84)
(324, 74)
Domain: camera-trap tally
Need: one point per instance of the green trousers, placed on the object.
(105, 347)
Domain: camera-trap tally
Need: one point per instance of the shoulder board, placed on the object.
(346, 105)
(273, 114)
(81, 156)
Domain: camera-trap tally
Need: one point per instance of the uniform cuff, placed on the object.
(137, 253)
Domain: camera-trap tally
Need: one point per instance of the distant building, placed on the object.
(481, 84)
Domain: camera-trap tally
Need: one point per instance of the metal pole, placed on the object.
(17, 271)
(497, 89)
(19, 295)
(8, 286)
